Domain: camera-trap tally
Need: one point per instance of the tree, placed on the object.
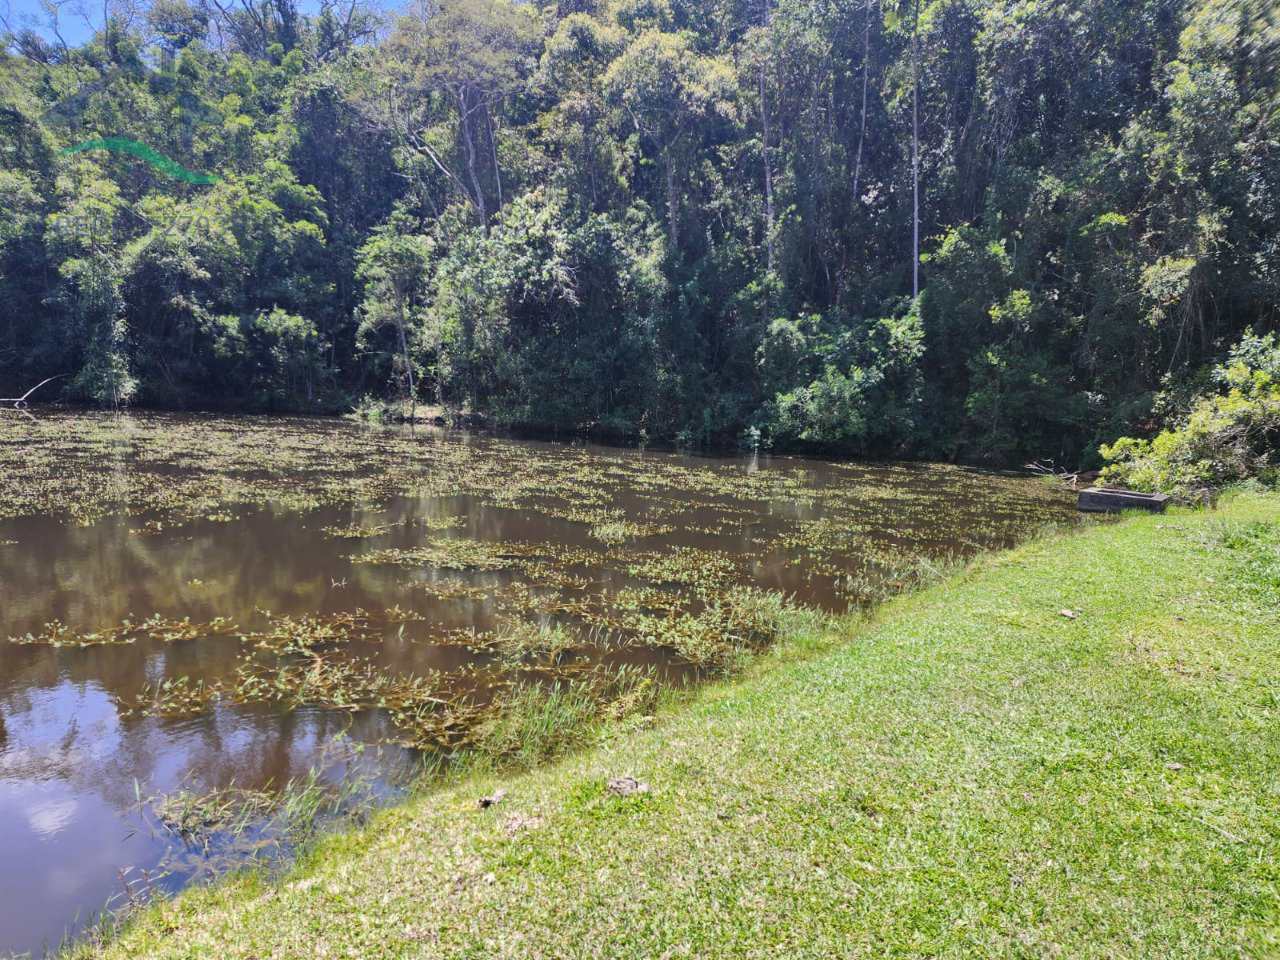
(83, 238)
(915, 148)
(395, 267)
(651, 217)
(451, 68)
(665, 92)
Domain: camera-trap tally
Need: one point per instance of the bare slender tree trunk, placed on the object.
(915, 152)
(866, 73)
(469, 143)
(768, 169)
(672, 204)
(768, 179)
(408, 361)
(493, 143)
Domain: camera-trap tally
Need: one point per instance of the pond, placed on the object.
(216, 626)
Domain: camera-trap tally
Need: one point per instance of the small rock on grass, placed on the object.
(518, 823)
(626, 786)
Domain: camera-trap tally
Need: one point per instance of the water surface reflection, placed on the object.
(113, 519)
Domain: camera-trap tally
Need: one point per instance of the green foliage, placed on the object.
(838, 386)
(1225, 438)
(549, 317)
(653, 218)
(395, 267)
(289, 345)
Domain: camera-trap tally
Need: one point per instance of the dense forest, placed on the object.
(983, 230)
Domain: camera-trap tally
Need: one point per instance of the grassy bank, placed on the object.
(972, 773)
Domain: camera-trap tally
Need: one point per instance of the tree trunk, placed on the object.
(673, 204)
(408, 361)
(493, 145)
(915, 152)
(768, 169)
(469, 144)
(866, 73)
(768, 178)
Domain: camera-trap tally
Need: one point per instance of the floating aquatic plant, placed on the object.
(655, 551)
(521, 640)
(357, 531)
(175, 697)
(689, 566)
(621, 531)
(201, 818)
(740, 621)
(450, 588)
(454, 554)
(55, 633)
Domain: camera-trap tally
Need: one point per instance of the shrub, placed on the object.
(1225, 438)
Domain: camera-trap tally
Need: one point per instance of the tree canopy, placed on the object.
(686, 220)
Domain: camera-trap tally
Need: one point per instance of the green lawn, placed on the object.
(970, 774)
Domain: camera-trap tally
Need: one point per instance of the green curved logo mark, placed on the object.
(140, 150)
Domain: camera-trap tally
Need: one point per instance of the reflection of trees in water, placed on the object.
(102, 574)
(67, 732)
(92, 577)
(93, 750)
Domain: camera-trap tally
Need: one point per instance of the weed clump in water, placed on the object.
(520, 641)
(889, 576)
(531, 723)
(702, 569)
(55, 633)
(200, 819)
(740, 622)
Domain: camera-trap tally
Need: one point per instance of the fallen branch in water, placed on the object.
(20, 402)
(1072, 478)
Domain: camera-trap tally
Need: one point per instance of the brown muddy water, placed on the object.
(237, 609)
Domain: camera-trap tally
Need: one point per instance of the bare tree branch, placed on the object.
(20, 402)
